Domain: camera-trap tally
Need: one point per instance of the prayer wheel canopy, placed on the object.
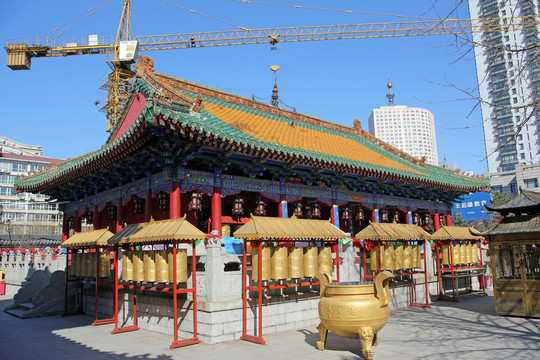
(157, 232)
(88, 239)
(271, 228)
(393, 231)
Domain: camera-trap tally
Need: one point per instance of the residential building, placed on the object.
(508, 73)
(409, 129)
(27, 220)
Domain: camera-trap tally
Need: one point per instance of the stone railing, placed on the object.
(18, 266)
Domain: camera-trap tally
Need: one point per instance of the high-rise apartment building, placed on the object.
(409, 129)
(27, 220)
(508, 71)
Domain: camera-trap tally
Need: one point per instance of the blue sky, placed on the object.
(53, 104)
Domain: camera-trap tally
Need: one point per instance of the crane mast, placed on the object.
(19, 54)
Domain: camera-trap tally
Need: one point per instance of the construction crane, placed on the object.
(19, 55)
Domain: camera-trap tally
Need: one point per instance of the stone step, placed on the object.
(26, 306)
(17, 312)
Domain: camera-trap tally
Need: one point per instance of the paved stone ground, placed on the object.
(468, 329)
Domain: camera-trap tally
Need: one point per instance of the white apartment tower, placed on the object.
(508, 70)
(409, 129)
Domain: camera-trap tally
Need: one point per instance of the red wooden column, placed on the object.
(120, 215)
(174, 196)
(65, 228)
(96, 218)
(77, 222)
(449, 219)
(148, 205)
(436, 222)
(216, 210)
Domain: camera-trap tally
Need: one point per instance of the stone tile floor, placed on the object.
(468, 329)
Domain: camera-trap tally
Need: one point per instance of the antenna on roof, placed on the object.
(390, 95)
(275, 97)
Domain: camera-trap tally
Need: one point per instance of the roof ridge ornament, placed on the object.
(144, 65)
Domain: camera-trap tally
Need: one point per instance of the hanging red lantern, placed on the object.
(416, 218)
(361, 216)
(299, 210)
(427, 219)
(238, 207)
(196, 201)
(260, 209)
(396, 216)
(384, 216)
(345, 214)
(316, 213)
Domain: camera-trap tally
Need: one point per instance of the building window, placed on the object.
(531, 183)
(513, 187)
(497, 188)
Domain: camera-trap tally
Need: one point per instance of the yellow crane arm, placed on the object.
(285, 34)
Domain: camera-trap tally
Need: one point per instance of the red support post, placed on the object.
(148, 205)
(216, 210)
(449, 219)
(96, 218)
(436, 222)
(174, 196)
(120, 215)
(65, 228)
(77, 223)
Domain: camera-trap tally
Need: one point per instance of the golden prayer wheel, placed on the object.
(407, 257)
(445, 254)
(75, 264)
(85, 259)
(104, 264)
(162, 266)
(311, 261)
(469, 254)
(127, 265)
(326, 266)
(92, 264)
(181, 265)
(415, 254)
(475, 253)
(279, 263)
(138, 266)
(226, 230)
(296, 263)
(463, 253)
(374, 259)
(388, 258)
(398, 257)
(266, 260)
(149, 260)
(354, 311)
(456, 254)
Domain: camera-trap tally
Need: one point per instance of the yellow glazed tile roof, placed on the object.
(456, 233)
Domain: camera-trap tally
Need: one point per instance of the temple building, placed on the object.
(187, 149)
(186, 154)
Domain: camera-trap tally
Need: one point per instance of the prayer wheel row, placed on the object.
(461, 254)
(280, 263)
(154, 266)
(84, 264)
(395, 257)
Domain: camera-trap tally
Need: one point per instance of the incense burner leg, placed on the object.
(322, 332)
(366, 338)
